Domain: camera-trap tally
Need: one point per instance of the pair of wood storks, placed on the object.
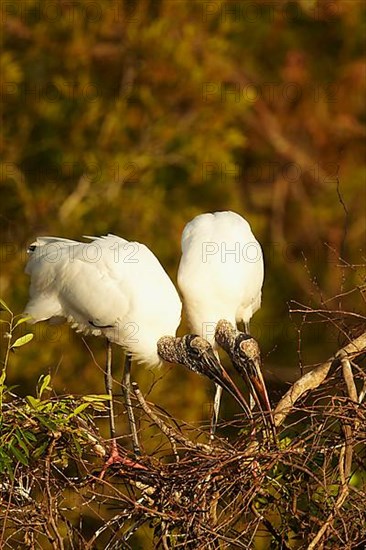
(117, 288)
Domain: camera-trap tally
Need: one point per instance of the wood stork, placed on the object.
(110, 287)
(245, 355)
(220, 276)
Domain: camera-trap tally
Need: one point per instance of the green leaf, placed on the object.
(19, 438)
(33, 401)
(333, 489)
(38, 452)
(98, 406)
(22, 320)
(2, 378)
(6, 464)
(22, 340)
(30, 437)
(261, 500)
(78, 410)
(44, 381)
(91, 398)
(77, 446)
(18, 455)
(4, 307)
(48, 424)
(285, 442)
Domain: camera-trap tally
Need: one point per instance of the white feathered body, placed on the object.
(221, 271)
(109, 286)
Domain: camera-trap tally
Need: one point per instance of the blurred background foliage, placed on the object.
(131, 117)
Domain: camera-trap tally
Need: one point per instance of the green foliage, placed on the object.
(11, 324)
(29, 425)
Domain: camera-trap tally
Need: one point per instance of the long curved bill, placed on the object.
(221, 377)
(253, 376)
(197, 354)
(255, 380)
(245, 356)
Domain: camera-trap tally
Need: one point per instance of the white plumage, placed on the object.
(220, 276)
(220, 273)
(109, 286)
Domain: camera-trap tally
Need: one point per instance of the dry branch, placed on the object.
(348, 376)
(314, 378)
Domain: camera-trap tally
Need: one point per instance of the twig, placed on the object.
(74, 199)
(170, 433)
(268, 525)
(309, 381)
(348, 376)
(343, 473)
(309, 310)
(52, 520)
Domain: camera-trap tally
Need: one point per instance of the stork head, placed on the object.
(191, 351)
(225, 335)
(245, 355)
(195, 353)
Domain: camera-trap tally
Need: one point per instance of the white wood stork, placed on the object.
(110, 287)
(220, 276)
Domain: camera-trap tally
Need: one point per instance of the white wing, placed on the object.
(221, 271)
(109, 285)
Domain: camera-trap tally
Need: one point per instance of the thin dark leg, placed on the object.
(126, 387)
(108, 387)
(114, 456)
(251, 398)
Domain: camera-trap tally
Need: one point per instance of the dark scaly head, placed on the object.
(246, 358)
(192, 351)
(225, 335)
(197, 354)
(245, 355)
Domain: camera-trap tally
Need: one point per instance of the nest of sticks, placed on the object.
(306, 489)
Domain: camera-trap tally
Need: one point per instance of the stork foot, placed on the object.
(115, 458)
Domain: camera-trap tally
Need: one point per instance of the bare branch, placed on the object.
(313, 379)
(348, 376)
